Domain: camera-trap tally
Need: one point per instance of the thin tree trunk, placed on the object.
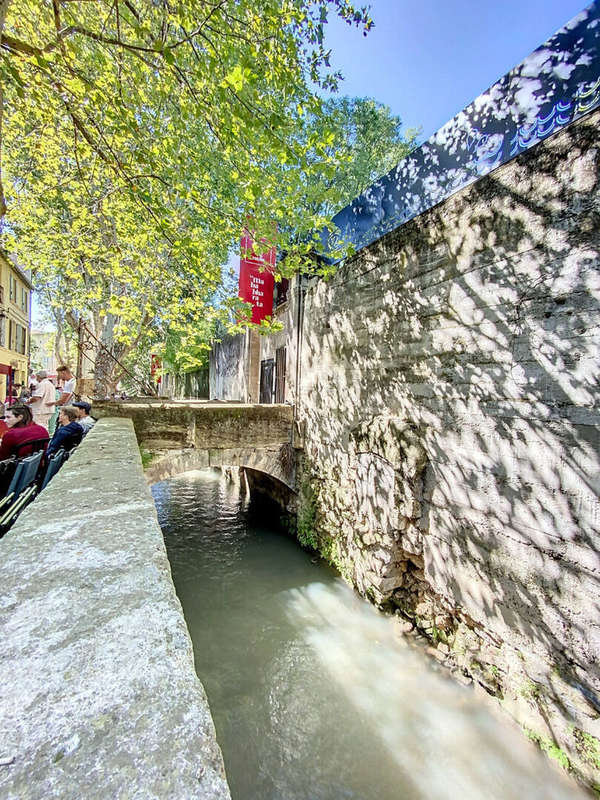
(3, 11)
(4, 4)
(105, 384)
(105, 365)
(64, 354)
(58, 353)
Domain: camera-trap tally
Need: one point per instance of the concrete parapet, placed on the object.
(98, 697)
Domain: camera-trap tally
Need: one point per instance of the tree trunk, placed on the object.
(105, 384)
(63, 347)
(3, 11)
(106, 355)
(97, 366)
(4, 4)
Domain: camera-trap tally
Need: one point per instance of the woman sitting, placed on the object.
(68, 434)
(21, 429)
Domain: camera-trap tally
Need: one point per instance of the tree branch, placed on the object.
(23, 48)
(97, 37)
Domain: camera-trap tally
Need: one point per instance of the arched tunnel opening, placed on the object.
(266, 495)
(264, 485)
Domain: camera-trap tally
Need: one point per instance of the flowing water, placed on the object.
(313, 694)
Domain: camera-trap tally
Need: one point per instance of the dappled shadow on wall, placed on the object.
(475, 328)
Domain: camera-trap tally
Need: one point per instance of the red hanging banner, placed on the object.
(257, 279)
(155, 367)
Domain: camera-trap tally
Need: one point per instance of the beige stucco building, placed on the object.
(15, 324)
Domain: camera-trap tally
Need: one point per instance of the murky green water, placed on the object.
(313, 695)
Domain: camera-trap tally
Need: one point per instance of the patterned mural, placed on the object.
(558, 83)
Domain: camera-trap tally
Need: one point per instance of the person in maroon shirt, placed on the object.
(21, 429)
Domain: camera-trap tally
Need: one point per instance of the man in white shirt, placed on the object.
(68, 387)
(42, 399)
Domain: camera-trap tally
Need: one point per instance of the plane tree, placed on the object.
(367, 142)
(139, 137)
(192, 104)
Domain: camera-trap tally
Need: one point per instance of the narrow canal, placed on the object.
(313, 694)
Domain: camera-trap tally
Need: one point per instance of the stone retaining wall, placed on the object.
(98, 694)
(450, 408)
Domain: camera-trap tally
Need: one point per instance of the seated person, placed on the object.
(21, 428)
(68, 434)
(86, 422)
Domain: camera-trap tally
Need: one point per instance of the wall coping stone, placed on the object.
(98, 693)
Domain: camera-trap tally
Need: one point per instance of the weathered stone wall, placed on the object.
(98, 696)
(228, 368)
(175, 437)
(163, 425)
(450, 409)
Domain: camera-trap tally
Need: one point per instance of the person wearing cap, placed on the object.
(42, 400)
(86, 422)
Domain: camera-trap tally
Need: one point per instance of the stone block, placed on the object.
(99, 696)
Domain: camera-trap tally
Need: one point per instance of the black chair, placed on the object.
(55, 462)
(31, 447)
(7, 470)
(7, 500)
(25, 473)
(34, 446)
(22, 490)
(13, 511)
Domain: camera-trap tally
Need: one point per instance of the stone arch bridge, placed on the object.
(178, 436)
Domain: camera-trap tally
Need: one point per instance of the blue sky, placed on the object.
(428, 59)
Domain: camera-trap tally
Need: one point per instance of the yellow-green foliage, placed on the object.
(306, 526)
(530, 690)
(136, 147)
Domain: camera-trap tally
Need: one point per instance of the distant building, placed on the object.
(42, 353)
(15, 324)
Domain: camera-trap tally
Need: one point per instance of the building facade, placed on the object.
(251, 368)
(15, 325)
(41, 351)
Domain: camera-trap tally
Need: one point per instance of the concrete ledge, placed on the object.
(98, 693)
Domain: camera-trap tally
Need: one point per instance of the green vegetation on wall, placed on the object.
(550, 748)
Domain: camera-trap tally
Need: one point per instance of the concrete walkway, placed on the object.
(98, 694)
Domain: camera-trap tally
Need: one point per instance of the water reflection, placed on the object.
(313, 696)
